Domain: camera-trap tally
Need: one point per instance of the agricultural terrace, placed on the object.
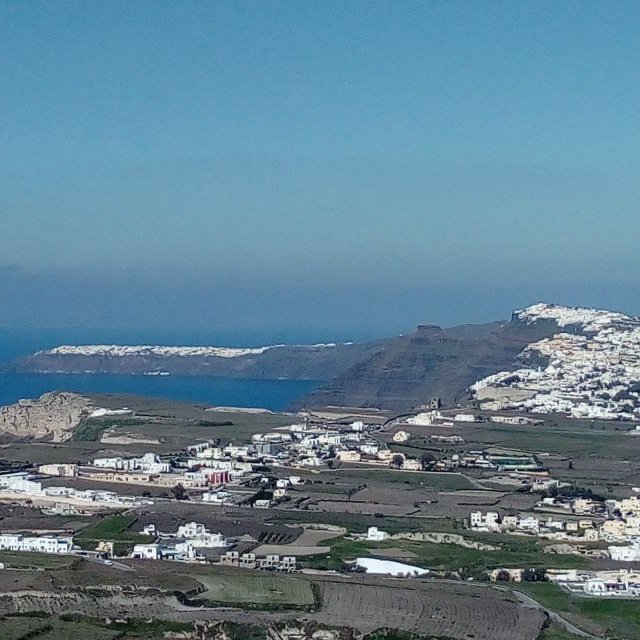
(436, 610)
(259, 590)
(114, 528)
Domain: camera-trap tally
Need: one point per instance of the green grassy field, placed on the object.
(620, 618)
(178, 427)
(17, 628)
(446, 557)
(323, 487)
(74, 627)
(28, 560)
(412, 479)
(112, 528)
(547, 594)
(261, 590)
(566, 440)
(91, 429)
(50, 628)
(61, 630)
(358, 523)
(555, 632)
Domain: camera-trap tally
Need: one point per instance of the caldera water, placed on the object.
(275, 395)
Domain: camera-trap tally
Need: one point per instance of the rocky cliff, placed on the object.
(431, 362)
(51, 417)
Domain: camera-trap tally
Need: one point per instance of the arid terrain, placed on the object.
(322, 522)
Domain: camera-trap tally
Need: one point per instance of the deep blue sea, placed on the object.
(269, 394)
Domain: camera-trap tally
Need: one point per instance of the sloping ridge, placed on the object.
(431, 362)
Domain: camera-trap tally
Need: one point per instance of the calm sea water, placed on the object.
(269, 394)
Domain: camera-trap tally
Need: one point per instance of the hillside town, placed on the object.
(590, 369)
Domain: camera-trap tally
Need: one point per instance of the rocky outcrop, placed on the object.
(53, 416)
(444, 538)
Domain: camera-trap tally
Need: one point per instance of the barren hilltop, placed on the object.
(52, 417)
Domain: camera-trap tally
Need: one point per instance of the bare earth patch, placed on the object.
(289, 550)
(311, 537)
(305, 545)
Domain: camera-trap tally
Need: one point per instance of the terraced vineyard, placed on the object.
(440, 610)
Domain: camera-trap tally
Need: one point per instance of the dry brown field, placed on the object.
(18, 518)
(441, 610)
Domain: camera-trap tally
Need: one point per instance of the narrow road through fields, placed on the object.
(555, 617)
(93, 557)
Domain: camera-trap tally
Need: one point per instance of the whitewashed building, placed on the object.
(20, 482)
(147, 552)
(376, 535)
(41, 544)
(628, 553)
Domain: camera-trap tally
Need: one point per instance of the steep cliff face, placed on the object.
(51, 417)
(429, 363)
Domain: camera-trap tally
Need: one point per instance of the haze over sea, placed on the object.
(269, 394)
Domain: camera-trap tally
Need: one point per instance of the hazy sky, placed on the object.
(349, 166)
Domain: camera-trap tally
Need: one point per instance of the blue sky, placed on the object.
(350, 166)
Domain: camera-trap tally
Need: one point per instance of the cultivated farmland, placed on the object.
(441, 610)
(261, 589)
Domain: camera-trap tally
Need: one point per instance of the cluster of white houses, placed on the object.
(620, 583)
(185, 544)
(189, 542)
(148, 463)
(437, 418)
(305, 445)
(270, 562)
(300, 446)
(614, 521)
(40, 544)
(593, 375)
(207, 465)
(26, 486)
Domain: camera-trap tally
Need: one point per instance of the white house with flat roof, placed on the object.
(147, 552)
